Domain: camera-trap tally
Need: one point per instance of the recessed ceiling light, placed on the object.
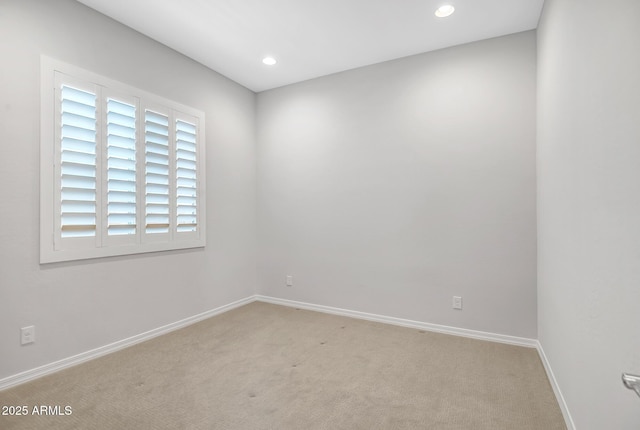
(269, 61)
(445, 10)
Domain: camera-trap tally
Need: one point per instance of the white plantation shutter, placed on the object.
(78, 168)
(157, 200)
(121, 168)
(186, 177)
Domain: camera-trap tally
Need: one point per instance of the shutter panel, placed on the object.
(156, 172)
(186, 177)
(121, 168)
(77, 163)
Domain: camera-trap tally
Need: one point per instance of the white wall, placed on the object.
(80, 306)
(386, 189)
(589, 205)
(390, 188)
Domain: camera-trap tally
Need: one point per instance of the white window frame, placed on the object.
(54, 248)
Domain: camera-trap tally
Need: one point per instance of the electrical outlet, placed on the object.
(289, 281)
(27, 335)
(457, 302)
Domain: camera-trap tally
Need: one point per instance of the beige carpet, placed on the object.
(263, 366)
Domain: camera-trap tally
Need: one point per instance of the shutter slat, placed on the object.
(158, 165)
(79, 145)
(79, 208)
(119, 142)
(162, 160)
(76, 108)
(121, 119)
(121, 153)
(76, 228)
(71, 93)
(121, 166)
(78, 133)
(121, 108)
(120, 196)
(157, 148)
(79, 121)
(156, 118)
(156, 134)
(122, 186)
(77, 157)
(183, 154)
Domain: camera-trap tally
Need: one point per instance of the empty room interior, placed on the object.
(326, 215)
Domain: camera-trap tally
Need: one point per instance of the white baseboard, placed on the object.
(493, 337)
(556, 388)
(113, 347)
(56, 366)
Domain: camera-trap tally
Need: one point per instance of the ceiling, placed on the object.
(312, 38)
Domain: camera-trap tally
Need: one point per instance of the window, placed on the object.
(121, 169)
